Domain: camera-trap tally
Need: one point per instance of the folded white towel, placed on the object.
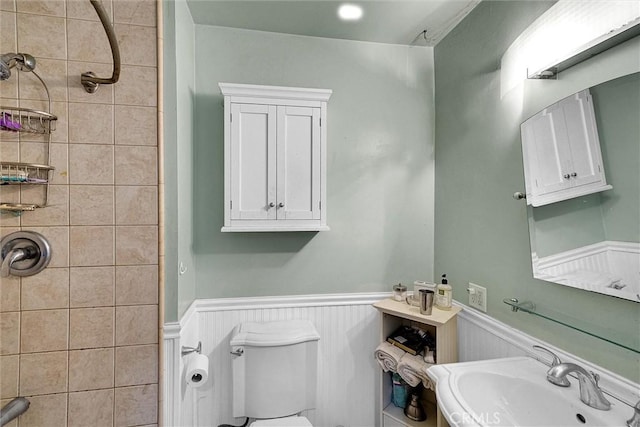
(388, 356)
(413, 369)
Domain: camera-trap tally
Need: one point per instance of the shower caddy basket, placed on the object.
(25, 120)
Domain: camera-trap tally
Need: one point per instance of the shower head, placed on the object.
(23, 61)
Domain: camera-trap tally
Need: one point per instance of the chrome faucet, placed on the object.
(635, 420)
(590, 393)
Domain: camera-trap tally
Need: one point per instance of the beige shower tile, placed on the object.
(92, 286)
(137, 44)
(84, 10)
(91, 327)
(88, 41)
(136, 365)
(90, 164)
(43, 373)
(91, 408)
(9, 333)
(9, 150)
(136, 165)
(136, 205)
(48, 289)
(8, 43)
(136, 125)
(90, 123)
(44, 330)
(137, 86)
(60, 161)
(57, 211)
(91, 246)
(137, 284)
(58, 238)
(91, 205)
(47, 410)
(139, 12)
(136, 245)
(90, 369)
(104, 94)
(8, 5)
(42, 7)
(54, 73)
(9, 376)
(136, 405)
(136, 324)
(42, 36)
(10, 294)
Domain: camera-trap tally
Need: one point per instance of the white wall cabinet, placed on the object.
(561, 152)
(441, 324)
(275, 158)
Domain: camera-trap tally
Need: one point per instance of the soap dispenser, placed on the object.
(444, 294)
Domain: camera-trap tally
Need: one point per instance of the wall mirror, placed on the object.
(591, 239)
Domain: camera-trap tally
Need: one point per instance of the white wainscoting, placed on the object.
(348, 373)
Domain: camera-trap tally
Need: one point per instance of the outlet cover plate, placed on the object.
(477, 297)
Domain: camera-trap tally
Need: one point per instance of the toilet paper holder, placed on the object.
(188, 350)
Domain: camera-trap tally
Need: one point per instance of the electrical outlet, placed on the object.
(477, 296)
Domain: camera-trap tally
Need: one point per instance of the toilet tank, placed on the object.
(274, 368)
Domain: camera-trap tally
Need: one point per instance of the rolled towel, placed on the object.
(388, 356)
(413, 369)
(429, 356)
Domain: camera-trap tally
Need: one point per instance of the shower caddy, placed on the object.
(26, 120)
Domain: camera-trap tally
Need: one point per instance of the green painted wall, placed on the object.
(481, 232)
(179, 87)
(379, 166)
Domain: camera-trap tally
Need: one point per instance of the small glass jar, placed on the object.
(399, 292)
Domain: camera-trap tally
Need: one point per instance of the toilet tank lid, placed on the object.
(277, 333)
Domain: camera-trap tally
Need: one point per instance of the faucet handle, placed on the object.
(634, 421)
(556, 360)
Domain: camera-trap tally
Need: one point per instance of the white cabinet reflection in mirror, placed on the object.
(561, 152)
(275, 158)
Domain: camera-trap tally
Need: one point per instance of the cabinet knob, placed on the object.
(574, 174)
(271, 204)
(567, 176)
(281, 205)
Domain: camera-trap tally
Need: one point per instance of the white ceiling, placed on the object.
(396, 21)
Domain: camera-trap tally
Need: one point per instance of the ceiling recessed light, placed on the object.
(350, 12)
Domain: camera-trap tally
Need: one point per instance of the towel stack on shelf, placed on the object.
(412, 368)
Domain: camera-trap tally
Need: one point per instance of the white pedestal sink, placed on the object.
(514, 392)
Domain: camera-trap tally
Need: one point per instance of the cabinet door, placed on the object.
(253, 161)
(298, 163)
(546, 152)
(583, 139)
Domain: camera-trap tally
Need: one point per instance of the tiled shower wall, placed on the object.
(80, 339)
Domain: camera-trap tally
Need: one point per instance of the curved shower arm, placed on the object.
(89, 80)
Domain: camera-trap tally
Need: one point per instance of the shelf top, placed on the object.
(402, 309)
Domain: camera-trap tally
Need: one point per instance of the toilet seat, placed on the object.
(293, 421)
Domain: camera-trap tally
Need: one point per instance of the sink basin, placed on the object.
(514, 392)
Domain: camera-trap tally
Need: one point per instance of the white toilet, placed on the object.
(275, 367)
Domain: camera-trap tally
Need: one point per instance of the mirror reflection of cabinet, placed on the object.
(561, 152)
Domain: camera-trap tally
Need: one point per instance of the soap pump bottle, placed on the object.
(444, 294)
